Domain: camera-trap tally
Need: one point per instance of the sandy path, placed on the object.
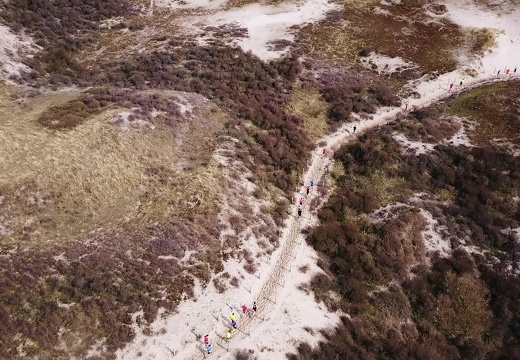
(266, 297)
(150, 10)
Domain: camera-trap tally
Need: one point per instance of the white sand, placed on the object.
(209, 311)
(190, 4)
(506, 54)
(506, 19)
(13, 48)
(265, 23)
(418, 147)
(460, 138)
(386, 64)
(435, 236)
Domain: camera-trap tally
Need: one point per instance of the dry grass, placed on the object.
(494, 108)
(60, 185)
(308, 103)
(481, 40)
(406, 32)
(387, 190)
(338, 170)
(431, 129)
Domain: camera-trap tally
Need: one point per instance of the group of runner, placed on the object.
(245, 309)
(452, 84)
(310, 186)
(507, 71)
(233, 319)
(308, 190)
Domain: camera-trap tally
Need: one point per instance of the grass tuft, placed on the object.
(495, 109)
(308, 103)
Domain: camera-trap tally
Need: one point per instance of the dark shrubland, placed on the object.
(61, 28)
(461, 306)
(349, 92)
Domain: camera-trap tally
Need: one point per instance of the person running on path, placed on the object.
(233, 317)
(451, 86)
(354, 129)
(507, 71)
(308, 190)
(206, 339)
(324, 151)
(299, 212)
(498, 72)
(406, 106)
(312, 183)
(228, 336)
(514, 71)
(254, 306)
(461, 82)
(244, 308)
(209, 349)
(301, 201)
(234, 326)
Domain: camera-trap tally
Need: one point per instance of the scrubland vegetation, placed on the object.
(61, 28)
(107, 190)
(403, 304)
(110, 196)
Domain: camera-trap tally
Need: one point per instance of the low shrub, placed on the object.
(69, 115)
(61, 28)
(363, 256)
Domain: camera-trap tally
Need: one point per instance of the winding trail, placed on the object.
(178, 336)
(266, 297)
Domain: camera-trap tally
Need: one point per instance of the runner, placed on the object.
(254, 306)
(233, 317)
(234, 326)
(209, 349)
(206, 339)
(451, 86)
(308, 190)
(354, 129)
(299, 212)
(301, 201)
(228, 336)
(244, 308)
(324, 151)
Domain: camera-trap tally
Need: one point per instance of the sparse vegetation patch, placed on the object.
(496, 110)
(402, 29)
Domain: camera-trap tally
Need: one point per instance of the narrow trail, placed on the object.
(179, 335)
(266, 297)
